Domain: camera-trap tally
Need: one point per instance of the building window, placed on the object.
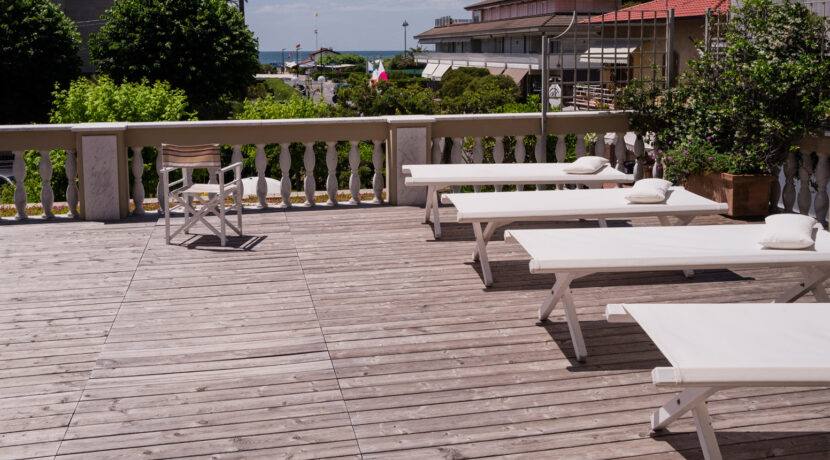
(477, 16)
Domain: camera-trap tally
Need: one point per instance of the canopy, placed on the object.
(515, 74)
(429, 69)
(440, 71)
(608, 54)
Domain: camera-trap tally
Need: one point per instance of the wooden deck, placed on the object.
(345, 332)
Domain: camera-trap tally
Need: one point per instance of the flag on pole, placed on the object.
(381, 73)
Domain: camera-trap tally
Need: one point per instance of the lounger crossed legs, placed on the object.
(573, 253)
(435, 177)
(712, 347)
(499, 209)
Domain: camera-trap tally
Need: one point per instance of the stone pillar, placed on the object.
(102, 171)
(409, 138)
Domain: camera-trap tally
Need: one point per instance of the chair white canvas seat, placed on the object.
(573, 253)
(207, 198)
(718, 346)
(499, 209)
(438, 176)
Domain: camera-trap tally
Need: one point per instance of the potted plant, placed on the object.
(748, 105)
(740, 179)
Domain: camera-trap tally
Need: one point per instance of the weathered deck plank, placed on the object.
(346, 333)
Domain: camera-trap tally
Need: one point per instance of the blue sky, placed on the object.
(346, 24)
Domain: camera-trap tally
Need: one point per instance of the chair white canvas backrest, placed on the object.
(190, 156)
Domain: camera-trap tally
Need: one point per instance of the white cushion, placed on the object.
(648, 191)
(788, 231)
(586, 165)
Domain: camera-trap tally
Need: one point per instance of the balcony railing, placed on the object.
(100, 156)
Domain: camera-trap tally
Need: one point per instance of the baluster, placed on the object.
(540, 157)
(580, 149)
(599, 146)
(237, 158)
(478, 157)
(561, 150)
(19, 171)
(498, 155)
(657, 168)
(520, 155)
(331, 181)
(620, 150)
(822, 176)
(72, 187)
(377, 180)
(437, 151)
(285, 180)
(456, 157)
(790, 170)
(162, 199)
(47, 197)
(775, 188)
(261, 162)
(309, 161)
(805, 170)
(639, 151)
(138, 186)
(354, 178)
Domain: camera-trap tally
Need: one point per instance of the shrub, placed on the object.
(38, 49)
(768, 89)
(200, 46)
(103, 100)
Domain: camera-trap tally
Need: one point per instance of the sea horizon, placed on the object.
(270, 57)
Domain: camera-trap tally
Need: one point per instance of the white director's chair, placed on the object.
(209, 198)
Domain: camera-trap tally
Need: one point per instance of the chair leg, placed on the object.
(167, 219)
(222, 230)
(239, 211)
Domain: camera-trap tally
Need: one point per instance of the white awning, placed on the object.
(440, 71)
(608, 54)
(429, 69)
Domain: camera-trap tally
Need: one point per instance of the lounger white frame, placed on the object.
(499, 209)
(712, 347)
(573, 253)
(438, 176)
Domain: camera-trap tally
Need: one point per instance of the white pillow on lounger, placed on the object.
(788, 231)
(586, 165)
(648, 191)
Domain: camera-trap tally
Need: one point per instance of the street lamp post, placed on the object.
(283, 60)
(405, 25)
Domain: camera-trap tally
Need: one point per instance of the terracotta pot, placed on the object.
(747, 194)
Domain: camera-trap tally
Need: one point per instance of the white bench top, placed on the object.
(552, 204)
(659, 248)
(737, 344)
(507, 173)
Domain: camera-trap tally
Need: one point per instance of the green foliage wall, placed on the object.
(200, 46)
(38, 49)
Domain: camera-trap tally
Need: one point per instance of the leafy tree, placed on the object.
(455, 81)
(483, 95)
(200, 46)
(361, 97)
(38, 49)
(348, 58)
(104, 100)
(767, 88)
(273, 108)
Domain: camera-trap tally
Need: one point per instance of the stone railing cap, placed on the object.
(98, 127)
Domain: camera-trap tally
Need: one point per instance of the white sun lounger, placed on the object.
(717, 346)
(572, 253)
(435, 177)
(500, 209)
